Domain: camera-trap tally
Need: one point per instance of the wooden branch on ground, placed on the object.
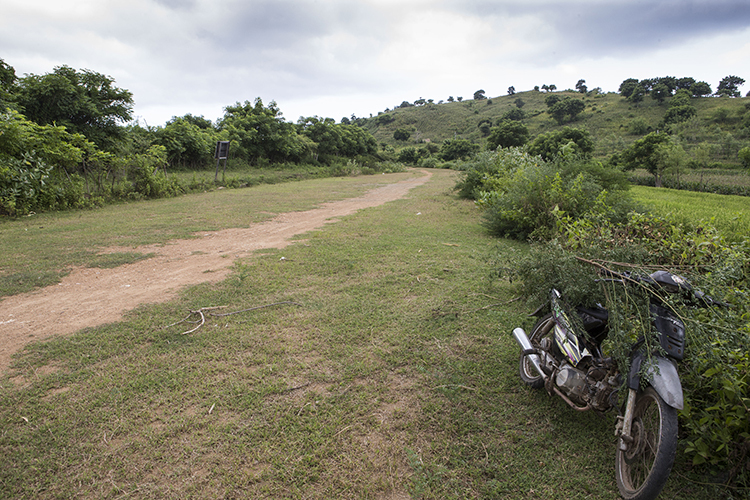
(203, 312)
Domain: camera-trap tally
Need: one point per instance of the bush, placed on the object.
(524, 196)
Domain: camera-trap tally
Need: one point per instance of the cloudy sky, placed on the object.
(336, 58)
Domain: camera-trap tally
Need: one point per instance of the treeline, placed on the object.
(67, 140)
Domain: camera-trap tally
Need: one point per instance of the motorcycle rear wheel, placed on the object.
(527, 371)
(643, 469)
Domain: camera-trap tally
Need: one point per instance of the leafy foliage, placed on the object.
(523, 195)
(568, 140)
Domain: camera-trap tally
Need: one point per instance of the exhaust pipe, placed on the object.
(528, 350)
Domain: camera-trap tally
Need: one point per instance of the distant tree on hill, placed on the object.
(685, 83)
(401, 134)
(459, 98)
(565, 109)
(627, 87)
(637, 95)
(660, 92)
(511, 90)
(516, 114)
(450, 98)
(479, 95)
(646, 153)
(457, 149)
(581, 86)
(729, 86)
(700, 89)
(551, 144)
(508, 134)
(485, 126)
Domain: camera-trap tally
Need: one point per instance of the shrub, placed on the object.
(523, 196)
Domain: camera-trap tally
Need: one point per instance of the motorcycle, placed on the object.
(564, 355)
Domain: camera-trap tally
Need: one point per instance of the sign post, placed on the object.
(222, 153)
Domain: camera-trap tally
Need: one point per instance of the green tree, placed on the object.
(581, 86)
(700, 89)
(401, 134)
(729, 86)
(260, 133)
(85, 102)
(627, 87)
(646, 153)
(457, 149)
(511, 90)
(565, 109)
(187, 141)
(552, 144)
(660, 92)
(7, 83)
(479, 95)
(508, 133)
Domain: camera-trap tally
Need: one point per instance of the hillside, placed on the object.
(722, 123)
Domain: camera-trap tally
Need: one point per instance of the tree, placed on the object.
(700, 89)
(637, 94)
(450, 98)
(84, 102)
(728, 86)
(479, 95)
(513, 114)
(627, 87)
(685, 83)
(185, 142)
(485, 126)
(565, 109)
(511, 90)
(7, 82)
(660, 92)
(508, 133)
(551, 144)
(645, 153)
(259, 133)
(401, 134)
(457, 149)
(581, 86)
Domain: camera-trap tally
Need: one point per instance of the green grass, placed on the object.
(392, 375)
(729, 214)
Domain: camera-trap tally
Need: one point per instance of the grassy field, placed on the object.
(729, 214)
(389, 372)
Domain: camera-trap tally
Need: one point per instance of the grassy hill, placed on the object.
(723, 123)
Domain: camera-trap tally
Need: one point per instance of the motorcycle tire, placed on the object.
(527, 371)
(643, 469)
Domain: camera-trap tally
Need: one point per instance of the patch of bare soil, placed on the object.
(90, 297)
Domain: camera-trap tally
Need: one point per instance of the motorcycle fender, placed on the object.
(662, 376)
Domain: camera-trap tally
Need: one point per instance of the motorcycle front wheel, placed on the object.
(643, 468)
(527, 371)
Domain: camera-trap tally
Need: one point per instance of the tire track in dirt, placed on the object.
(90, 297)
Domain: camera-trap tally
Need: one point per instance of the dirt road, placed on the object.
(90, 297)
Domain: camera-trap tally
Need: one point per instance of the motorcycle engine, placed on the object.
(592, 387)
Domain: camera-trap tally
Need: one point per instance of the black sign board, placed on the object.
(222, 150)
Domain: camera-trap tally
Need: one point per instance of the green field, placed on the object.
(393, 374)
(729, 214)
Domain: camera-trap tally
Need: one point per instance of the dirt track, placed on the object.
(90, 297)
